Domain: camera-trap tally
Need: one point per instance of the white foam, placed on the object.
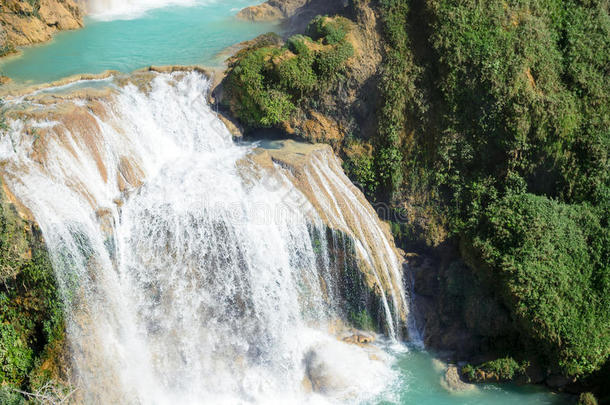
(108, 10)
(187, 293)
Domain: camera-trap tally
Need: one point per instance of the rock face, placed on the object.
(294, 13)
(452, 381)
(28, 22)
(275, 9)
(268, 11)
(317, 173)
(457, 309)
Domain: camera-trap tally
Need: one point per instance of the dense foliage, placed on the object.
(497, 121)
(553, 260)
(267, 82)
(31, 317)
(499, 370)
(586, 398)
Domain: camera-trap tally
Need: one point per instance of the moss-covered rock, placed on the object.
(499, 370)
(31, 317)
(267, 82)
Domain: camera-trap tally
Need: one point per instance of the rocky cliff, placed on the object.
(294, 14)
(26, 22)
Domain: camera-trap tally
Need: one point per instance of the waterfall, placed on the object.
(195, 269)
(107, 10)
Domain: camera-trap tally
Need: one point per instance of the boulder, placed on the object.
(359, 338)
(453, 382)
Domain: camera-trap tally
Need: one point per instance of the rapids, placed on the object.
(107, 10)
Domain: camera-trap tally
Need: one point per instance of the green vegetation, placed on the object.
(266, 82)
(360, 164)
(496, 126)
(586, 398)
(552, 260)
(31, 316)
(10, 397)
(362, 320)
(500, 370)
(328, 31)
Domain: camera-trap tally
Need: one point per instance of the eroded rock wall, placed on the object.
(27, 22)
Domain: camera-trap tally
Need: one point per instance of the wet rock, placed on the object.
(129, 175)
(321, 375)
(557, 381)
(359, 338)
(318, 127)
(105, 218)
(535, 374)
(306, 384)
(453, 382)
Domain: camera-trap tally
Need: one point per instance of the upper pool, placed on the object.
(129, 38)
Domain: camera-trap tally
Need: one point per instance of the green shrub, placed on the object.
(296, 75)
(388, 165)
(469, 372)
(297, 44)
(586, 398)
(17, 358)
(330, 31)
(276, 107)
(505, 368)
(265, 84)
(500, 370)
(362, 320)
(31, 316)
(361, 170)
(10, 397)
(330, 62)
(251, 97)
(552, 261)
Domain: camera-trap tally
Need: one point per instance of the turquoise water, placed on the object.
(421, 385)
(164, 36)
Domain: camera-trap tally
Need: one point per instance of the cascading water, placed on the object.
(195, 269)
(127, 9)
